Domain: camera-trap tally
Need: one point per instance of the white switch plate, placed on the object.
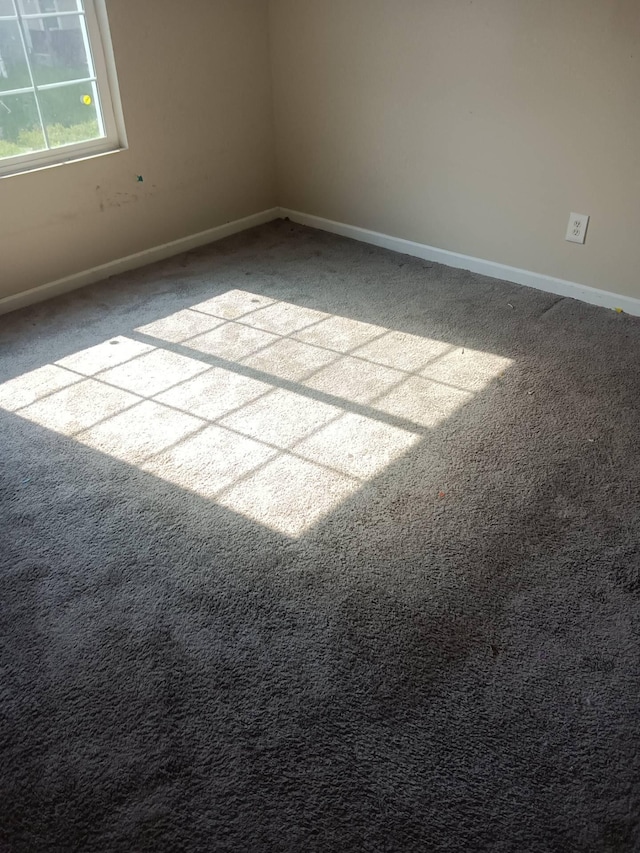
(577, 230)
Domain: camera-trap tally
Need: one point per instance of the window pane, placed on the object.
(6, 7)
(57, 49)
(35, 7)
(14, 73)
(70, 114)
(20, 130)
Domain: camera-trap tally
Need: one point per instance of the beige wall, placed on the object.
(470, 126)
(195, 86)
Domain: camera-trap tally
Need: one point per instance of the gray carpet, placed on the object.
(309, 546)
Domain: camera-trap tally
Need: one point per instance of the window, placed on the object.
(57, 83)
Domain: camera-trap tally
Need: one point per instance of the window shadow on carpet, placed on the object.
(276, 411)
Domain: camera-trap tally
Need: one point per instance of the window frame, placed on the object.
(106, 82)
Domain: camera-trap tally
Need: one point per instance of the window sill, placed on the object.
(26, 169)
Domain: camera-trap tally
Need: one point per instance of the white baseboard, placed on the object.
(559, 286)
(132, 262)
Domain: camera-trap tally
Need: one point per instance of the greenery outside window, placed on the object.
(58, 91)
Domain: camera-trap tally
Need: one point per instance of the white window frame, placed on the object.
(111, 119)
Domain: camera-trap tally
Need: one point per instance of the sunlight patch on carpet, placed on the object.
(275, 411)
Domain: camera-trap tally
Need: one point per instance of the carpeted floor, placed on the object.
(309, 546)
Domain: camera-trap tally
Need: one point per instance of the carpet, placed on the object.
(309, 546)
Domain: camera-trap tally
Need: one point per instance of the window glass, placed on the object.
(14, 71)
(69, 114)
(50, 93)
(20, 128)
(58, 49)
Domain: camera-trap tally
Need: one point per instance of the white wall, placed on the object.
(470, 126)
(195, 84)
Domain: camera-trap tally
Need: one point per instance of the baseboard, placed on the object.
(559, 286)
(132, 262)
